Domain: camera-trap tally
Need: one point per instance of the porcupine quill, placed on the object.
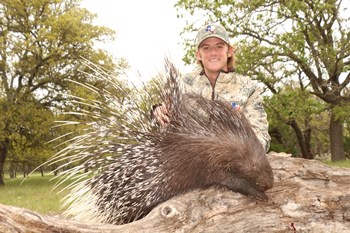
(207, 143)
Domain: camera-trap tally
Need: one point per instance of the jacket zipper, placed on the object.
(213, 87)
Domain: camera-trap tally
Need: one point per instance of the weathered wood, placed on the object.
(308, 196)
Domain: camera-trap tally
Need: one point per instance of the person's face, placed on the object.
(213, 53)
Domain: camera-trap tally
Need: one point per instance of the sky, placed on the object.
(146, 32)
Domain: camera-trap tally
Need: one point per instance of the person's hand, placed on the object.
(161, 114)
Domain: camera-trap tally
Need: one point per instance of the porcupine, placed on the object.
(207, 143)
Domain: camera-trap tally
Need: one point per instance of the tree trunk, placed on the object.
(307, 196)
(13, 169)
(3, 154)
(304, 145)
(55, 171)
(24, 169)
(275, 133)
(307, 138)
(336, 138)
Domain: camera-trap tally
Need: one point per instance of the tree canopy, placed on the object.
(43, 44)
(283, 42)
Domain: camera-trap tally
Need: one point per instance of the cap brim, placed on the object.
(212, 35)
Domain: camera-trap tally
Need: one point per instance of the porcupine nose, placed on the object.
(263, 187)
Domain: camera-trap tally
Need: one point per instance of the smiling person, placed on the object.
(216, 79)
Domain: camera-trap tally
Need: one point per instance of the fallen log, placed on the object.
(308, 196)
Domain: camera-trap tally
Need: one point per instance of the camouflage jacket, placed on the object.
(238, 90)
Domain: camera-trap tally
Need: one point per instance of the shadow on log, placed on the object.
(307, 196)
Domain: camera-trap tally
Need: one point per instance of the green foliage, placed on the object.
(341, 111)
(44, 48)
(294, 105)
(150, 95)
(347, 145)
(297, 104)
(43, 45)
(29, 130)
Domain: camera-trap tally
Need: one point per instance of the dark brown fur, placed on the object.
(207, 143)
(216, 144)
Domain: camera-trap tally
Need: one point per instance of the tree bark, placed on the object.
(308, 196)
(3, 154)
(336, 139)
(307, 137)
(303, 140)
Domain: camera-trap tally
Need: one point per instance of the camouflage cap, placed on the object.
(212, 31)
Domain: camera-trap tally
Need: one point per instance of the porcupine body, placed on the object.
(207, 143)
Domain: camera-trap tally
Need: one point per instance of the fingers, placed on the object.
(161, 114)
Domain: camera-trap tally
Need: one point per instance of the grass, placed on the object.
(35, 193)
(342, 163)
